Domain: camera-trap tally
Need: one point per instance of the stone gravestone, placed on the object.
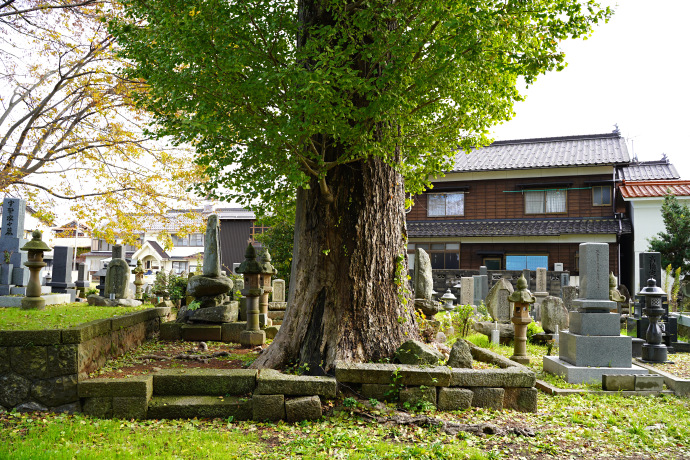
(540, 293)
(13, 271)
(278, 290)
(212, 248)
(62, 269)
(424, 285)
(117, 275)
(82, 280)
(593, 346)
(497, 302)
(554, 313)
(211, 288)
(278, 302)
(466, 290)
(569, 294)
(484, 273)
(477, 290)
(423, 281)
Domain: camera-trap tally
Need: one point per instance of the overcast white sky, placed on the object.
(633, 71)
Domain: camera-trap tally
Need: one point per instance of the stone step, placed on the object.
(172, 407)
(204, 382)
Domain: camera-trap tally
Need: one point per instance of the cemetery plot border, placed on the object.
(42, 369)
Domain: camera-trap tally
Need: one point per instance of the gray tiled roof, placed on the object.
(585, 150)
(517, 227)
(649, 170)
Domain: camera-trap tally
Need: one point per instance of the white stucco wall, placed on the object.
(645, 214)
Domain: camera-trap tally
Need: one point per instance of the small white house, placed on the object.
(645, 199)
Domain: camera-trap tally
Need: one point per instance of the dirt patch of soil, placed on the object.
(156, 355)
(678, 365)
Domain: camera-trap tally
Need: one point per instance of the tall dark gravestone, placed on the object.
(62, 269)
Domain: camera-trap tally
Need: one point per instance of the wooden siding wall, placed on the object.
(234, 237)
(486, 199)
(557, 252)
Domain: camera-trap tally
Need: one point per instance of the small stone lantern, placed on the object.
(36, 247)
(267, 272)
(521, 299)
(653, 351)
(138, 280)
(251, 269)
(448, 299)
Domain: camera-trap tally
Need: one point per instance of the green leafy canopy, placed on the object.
(262, 91)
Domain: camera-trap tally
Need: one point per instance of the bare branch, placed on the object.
(42, 7)
(74, 197)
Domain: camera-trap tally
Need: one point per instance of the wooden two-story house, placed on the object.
(525, 204)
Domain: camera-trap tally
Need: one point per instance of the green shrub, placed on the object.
(533, 328)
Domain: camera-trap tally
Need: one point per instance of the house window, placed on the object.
(523, 261)
(446, 204)
(545, 201)
(256, 230)
(601, 195)
(492, 263)
(193, 239)
(179, 267)
(444, 256)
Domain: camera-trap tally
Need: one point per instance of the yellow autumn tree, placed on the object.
(71, 141)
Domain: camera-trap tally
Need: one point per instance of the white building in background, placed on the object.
(187, 247)
(643, 189)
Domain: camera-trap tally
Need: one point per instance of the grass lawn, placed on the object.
(59, 316)
(575, 426)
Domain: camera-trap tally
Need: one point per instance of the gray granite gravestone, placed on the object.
(540, 293)
(62, 269)
(117, 275)
(569, 294)
(424, 285)
(484, 273)
(497, 302)
(11, 239)
(212, 248)
(466, 290)
(593, 346)
(82, 279)
(477, 290)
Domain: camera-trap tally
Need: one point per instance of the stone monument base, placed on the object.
(252, 338)
(586, 350)
(21, 290)
(575, 374)
(51, 299)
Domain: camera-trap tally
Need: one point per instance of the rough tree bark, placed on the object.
(350, 238)
(343, 302)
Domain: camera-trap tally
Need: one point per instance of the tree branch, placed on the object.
(74, 197)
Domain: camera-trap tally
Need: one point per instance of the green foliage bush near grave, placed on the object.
(59, 316)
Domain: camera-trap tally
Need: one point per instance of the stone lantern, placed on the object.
(653, 351)
(267, 271)
(521, 299)
(251, 269)
(36, 247)
(448, 299)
